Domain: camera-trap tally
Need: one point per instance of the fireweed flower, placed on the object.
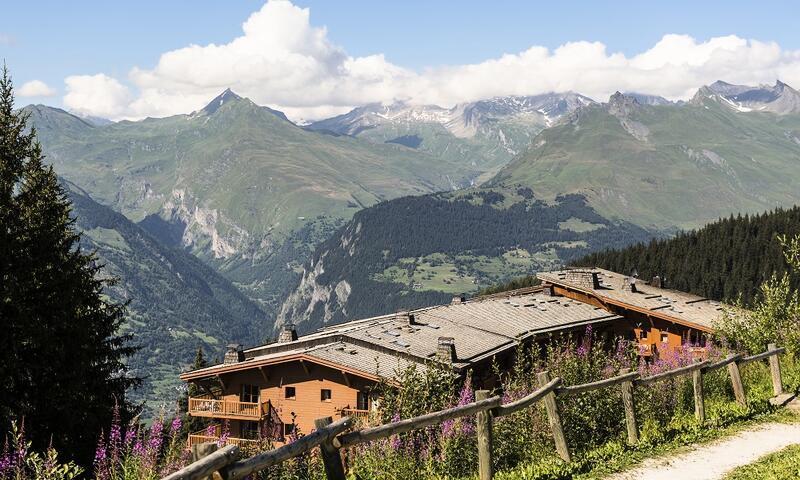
(176, 426)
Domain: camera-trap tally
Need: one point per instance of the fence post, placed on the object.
(736, 381)
(554, 418)
(699, 402)
(483, 424)
(331, 458)
(630, 409)
(775, 370)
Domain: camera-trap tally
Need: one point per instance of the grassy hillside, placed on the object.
(235, 181)
(667, 165)
(177, 303)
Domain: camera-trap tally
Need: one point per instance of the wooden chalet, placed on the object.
(283, 386)
(659, 319)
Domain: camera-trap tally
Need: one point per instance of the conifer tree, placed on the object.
(62, 362)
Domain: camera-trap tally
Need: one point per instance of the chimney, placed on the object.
(406, 316)
(459, 299)
(234, 354)
(629, 283)
(656, 282)
(288, 333)
(548, 290)
(446, 350)
(583, 278)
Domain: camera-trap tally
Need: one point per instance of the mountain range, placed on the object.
(399, 205)
(484, 134)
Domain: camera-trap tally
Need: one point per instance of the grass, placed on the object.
(615, 456)
(782, 465)
(467, 273)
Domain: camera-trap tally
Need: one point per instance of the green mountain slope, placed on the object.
(177, 303)
(234, 181)
(665, 165)
(482, 135)
(391, 257)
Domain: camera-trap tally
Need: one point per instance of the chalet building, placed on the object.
(659, 319)
(282, 387)
(285, 385)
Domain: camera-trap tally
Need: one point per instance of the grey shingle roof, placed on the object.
(480, 328)
(681, 306)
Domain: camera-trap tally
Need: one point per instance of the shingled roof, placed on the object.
(378, 346)
(614, 288)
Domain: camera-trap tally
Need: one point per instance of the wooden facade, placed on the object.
(279, 399)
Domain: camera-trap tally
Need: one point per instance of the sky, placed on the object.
(315, 58)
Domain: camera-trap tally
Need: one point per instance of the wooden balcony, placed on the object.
(646, 349)
(196, 438)
(217, 408)
(355, 413)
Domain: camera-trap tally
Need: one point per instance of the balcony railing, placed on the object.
(353, 412)
(216, 408)
(195, 438)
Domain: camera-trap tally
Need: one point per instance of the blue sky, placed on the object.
(51, 40)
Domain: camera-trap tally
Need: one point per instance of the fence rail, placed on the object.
(330, 436)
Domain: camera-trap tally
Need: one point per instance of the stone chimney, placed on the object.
(288, 333)
(656, 282)
(233, 354)
(583, 278)
(459, 299)
(406, 317)
(446, 349)
(629, 283)
(548, 290)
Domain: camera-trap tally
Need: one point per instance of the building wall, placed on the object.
(307, 404)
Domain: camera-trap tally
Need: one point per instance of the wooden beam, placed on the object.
(483, 427)
(305, 367)
(630, 409)
(554, 417)
(346, 378)
(331, 457)
(264, 374)
(221, 382)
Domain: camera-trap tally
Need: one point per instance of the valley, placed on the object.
(395, 206)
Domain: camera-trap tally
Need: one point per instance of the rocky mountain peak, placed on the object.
(227, 96)
(622, 105)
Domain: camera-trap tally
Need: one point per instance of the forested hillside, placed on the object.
(721, 260)
(414, 251)
(177, 303)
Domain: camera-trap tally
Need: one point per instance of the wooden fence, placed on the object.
(332, 436)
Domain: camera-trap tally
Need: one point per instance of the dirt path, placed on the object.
(714, 460)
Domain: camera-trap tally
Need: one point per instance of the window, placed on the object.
(289, 392)
(288, 428)
(249, 394)
(250, 430)
(664, 337)
(325, 395)
(643, 334)
(362, 401)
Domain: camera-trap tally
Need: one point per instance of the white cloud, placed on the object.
(282, 60)
(98, 95)
(35, 88)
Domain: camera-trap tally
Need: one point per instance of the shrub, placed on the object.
(18, 462)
